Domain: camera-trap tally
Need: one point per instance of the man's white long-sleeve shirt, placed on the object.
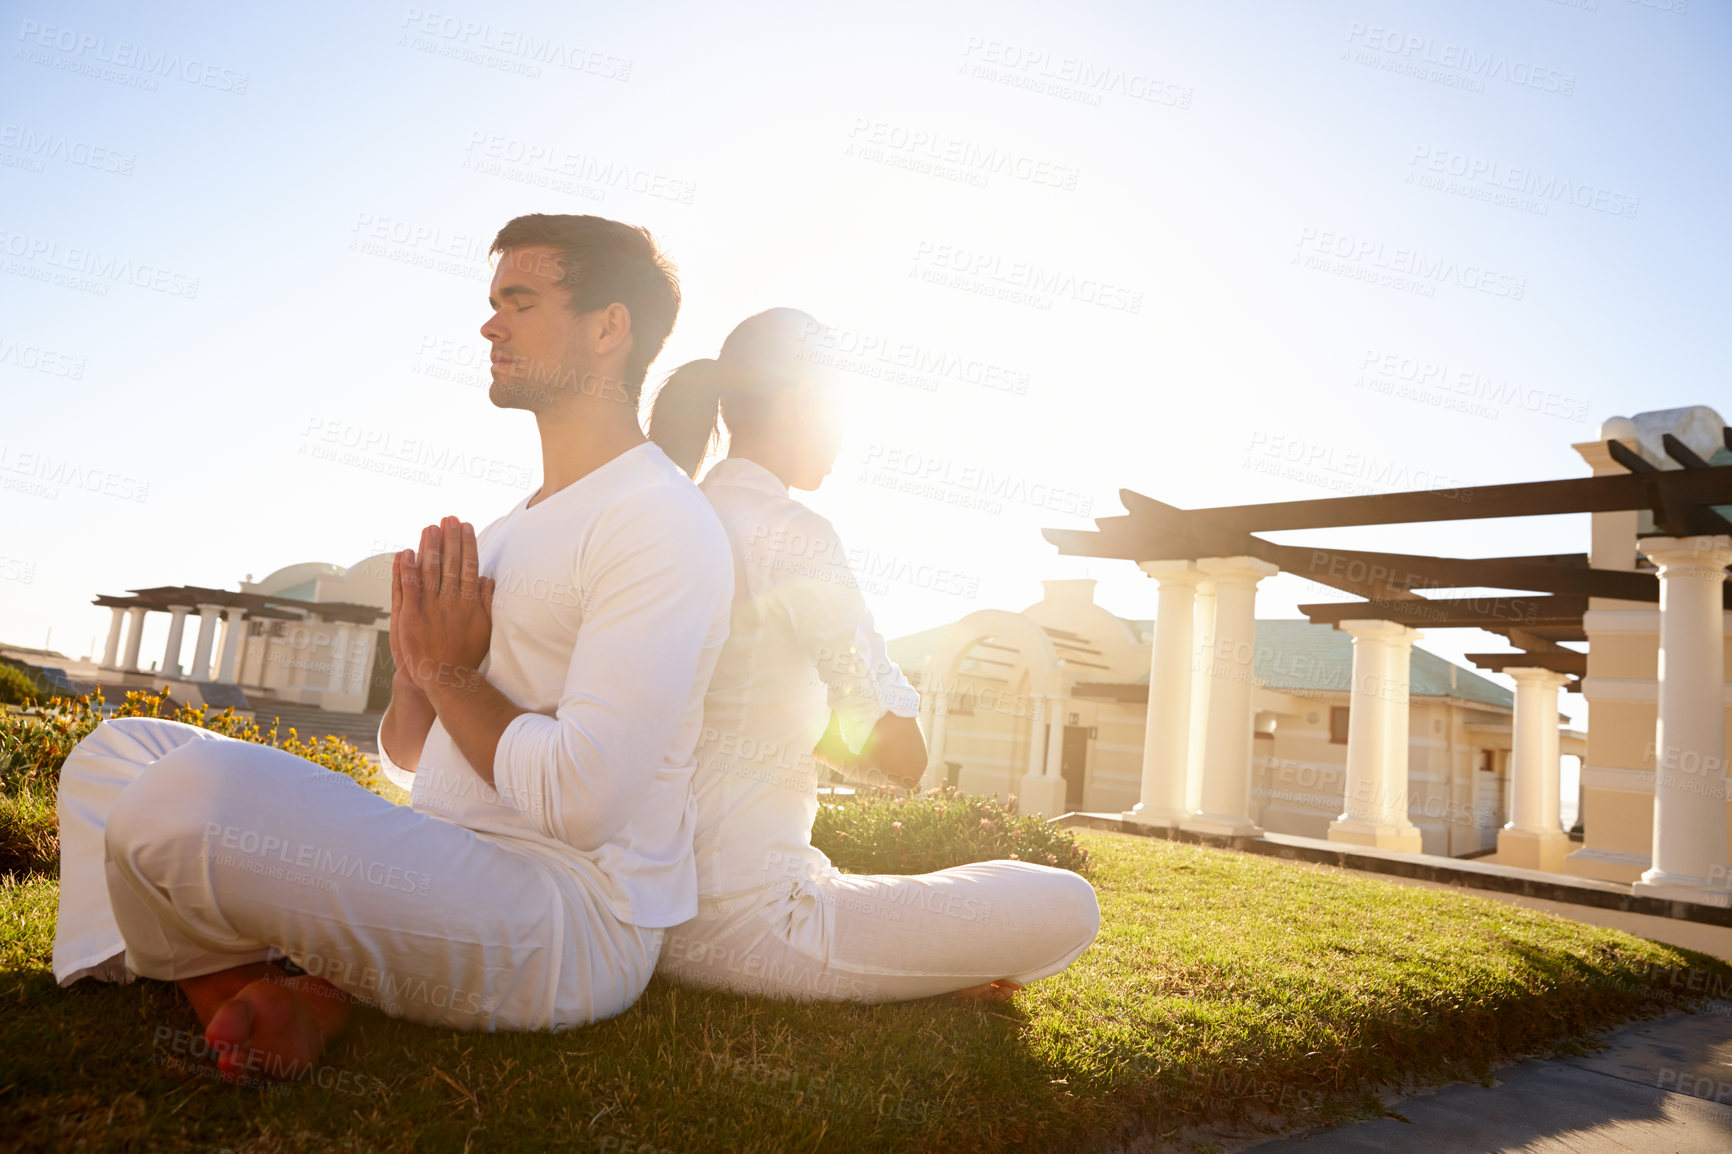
(611, 604)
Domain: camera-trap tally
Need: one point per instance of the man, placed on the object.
(547, 699)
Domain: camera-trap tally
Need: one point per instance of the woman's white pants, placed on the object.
(184, 852)
(833, 936)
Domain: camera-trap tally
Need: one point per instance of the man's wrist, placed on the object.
(446, 683)
(428, 674)
(474, 712)
(403, 730)
(403, 687)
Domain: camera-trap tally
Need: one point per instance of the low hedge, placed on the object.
(880, 831)
(35, 744)
(885, 831)
(17, 686)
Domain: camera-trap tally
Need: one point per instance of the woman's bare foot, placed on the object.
(999, 991)
(260, 1021)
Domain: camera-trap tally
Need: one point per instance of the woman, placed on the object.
(803, 681)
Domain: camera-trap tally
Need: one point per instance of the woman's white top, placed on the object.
(801, 643)
(610, 606)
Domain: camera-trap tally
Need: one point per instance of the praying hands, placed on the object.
(441, 629)
(441, 608)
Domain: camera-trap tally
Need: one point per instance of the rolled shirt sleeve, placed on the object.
(657, 580)
(403, 779)
(821, 595)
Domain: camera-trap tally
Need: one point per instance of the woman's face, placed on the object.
(819, 424)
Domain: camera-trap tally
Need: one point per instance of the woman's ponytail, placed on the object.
(764, 355)
(683, 416)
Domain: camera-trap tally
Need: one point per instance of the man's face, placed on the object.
(539, 345)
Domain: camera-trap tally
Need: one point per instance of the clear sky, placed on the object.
(1217, 253)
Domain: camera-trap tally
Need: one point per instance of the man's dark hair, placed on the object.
(606, 261)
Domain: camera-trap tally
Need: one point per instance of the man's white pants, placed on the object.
(887, 937)
(184, 852)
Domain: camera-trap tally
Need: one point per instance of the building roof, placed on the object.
(1295, 654)
(256, 605)
(910, 652)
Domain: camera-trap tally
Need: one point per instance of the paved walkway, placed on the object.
(1661, 1087)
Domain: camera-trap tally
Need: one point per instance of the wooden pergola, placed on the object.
(164, 598)
(239, 608)
(1690, 500)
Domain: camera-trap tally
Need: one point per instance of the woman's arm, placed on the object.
(872, 705)
(894, 753)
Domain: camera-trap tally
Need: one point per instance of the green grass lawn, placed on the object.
(1223, 988)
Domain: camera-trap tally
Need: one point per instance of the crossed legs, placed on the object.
(979, 930)
(220, 855)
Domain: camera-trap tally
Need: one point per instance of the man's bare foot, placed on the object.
(260, 1021)
(999, 991)
(209, 991)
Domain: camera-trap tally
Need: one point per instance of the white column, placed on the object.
(134, 634)
(176, 638)
(1167, 729)
(939, 716)
(1042, 789)
(339, 659)
(1611, 534)
(1036, 739)
(1055, 710)
(1226, 788)
(271, 638)
(237, 626)
(297, 662)
(1375, 810)
(1690, 732)
(361, 668)
(1534, 837)
(1203, 643)
(111, 649)
(207, 622)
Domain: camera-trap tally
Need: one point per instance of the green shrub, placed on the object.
(29, 833)
(35, 745)
(17, 686)
(884, 831)
(334, 753)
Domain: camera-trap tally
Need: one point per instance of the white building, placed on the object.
(1051, 705)
(310, 634)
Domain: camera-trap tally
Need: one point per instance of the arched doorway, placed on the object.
(991, 700)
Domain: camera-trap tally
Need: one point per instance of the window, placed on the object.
(1338, 724)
